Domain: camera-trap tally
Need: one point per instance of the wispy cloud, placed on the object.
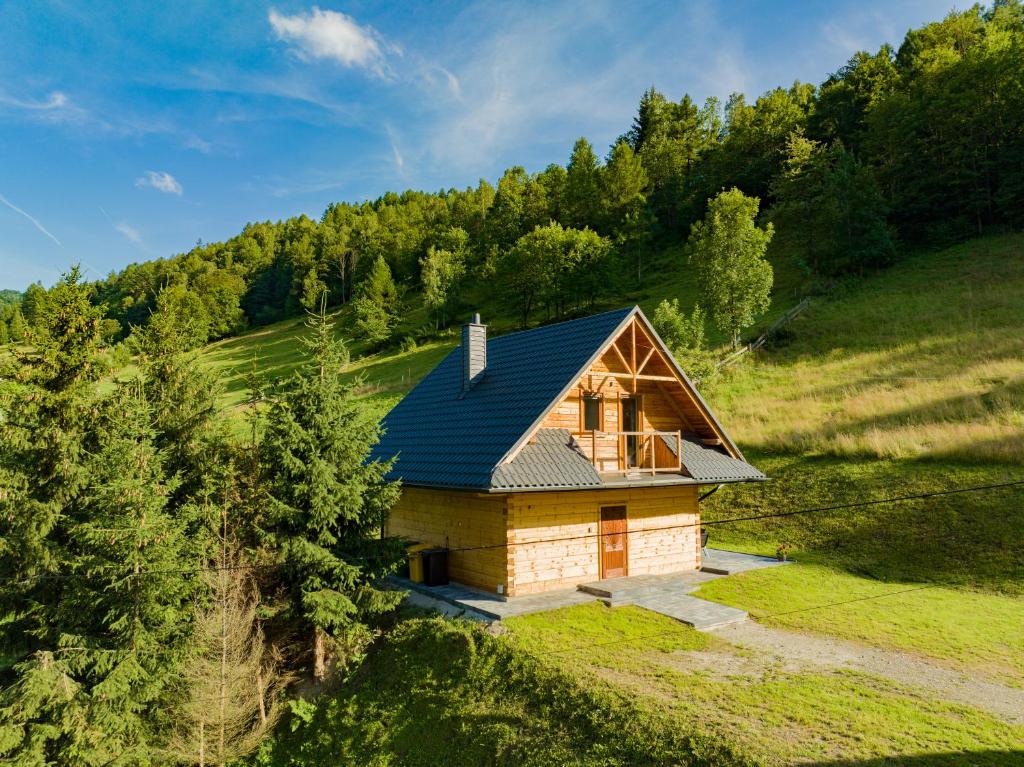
(126, 230)
(562, 71)
(396, 154)
(161, 181)
(334, 36)
(34, 221)
(56, 100)
(129, 232)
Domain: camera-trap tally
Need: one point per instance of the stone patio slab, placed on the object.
(723, 562)
(492, 606)
(666, 594)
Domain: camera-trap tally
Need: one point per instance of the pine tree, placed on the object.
(182, 397)
(326, 503)
(91, 553)
(5, 336)
(92, 689)
(46, 442)
(33, 305)
(377, 303)
(19, 328)
(582, 196)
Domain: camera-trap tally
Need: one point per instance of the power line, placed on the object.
(751, 518)
(588, 536)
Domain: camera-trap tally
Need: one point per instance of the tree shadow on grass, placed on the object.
(968, 539)
(1007, 758)
(442, 693)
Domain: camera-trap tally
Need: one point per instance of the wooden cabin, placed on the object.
(557, 456)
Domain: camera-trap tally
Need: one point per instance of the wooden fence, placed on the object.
(761, 340)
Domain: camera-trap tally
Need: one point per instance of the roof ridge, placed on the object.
(564, 322)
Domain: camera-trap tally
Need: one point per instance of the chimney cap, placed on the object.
(476, 318)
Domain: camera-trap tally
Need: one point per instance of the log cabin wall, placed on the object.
(542, 517)
(633, 365)
(458, 519)
(657, 413)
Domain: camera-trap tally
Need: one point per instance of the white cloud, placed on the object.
(161, 181)
(56, 100)
(129, 232)
(331, 35)
(396, 155)
(544, 77)
(453, 83)
(37, 225)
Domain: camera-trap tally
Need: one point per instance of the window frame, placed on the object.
(585, 399)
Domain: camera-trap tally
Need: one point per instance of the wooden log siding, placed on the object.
(548, 518)
(658, 413)
(458, 519)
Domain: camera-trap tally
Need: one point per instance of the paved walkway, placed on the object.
(722, 562)
(491, 606)
(666, 594)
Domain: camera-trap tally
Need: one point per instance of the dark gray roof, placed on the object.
(444, 437)
(707, 464)
(444, 440)
(553, 461)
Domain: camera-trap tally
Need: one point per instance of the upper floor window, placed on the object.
(591, 412)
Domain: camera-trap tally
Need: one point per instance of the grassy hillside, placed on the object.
(275, 349)
(443, 693)
(925, 360)
(909, 381)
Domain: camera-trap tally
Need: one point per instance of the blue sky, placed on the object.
(129, 131)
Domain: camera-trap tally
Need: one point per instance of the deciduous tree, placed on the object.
(727, 249)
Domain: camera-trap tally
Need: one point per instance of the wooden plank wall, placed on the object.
(657, 414)
(538, 563)
(458, 520)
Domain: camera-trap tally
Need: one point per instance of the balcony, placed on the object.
(633, 452)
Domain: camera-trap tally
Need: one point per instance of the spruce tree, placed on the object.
(183, 401)
(19, 328)
(582, 196)
(97, 606)
(377, 303)
(325, 501)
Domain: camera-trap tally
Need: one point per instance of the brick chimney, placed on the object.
(474, 352)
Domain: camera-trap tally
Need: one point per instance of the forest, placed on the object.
(171, 585)
(920, 145)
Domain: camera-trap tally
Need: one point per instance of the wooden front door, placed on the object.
(613, 546)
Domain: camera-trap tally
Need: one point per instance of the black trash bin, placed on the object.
(435, 567)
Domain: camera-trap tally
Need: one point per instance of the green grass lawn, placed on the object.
(974, 632)
(437, 692)
(772, 715)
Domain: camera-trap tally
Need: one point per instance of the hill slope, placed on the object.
(909, 381)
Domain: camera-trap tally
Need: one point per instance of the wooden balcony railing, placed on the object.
(639, 450)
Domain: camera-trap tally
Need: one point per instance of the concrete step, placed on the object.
(715, 570)
(693, 611)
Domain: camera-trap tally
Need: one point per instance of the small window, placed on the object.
(591, 413)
